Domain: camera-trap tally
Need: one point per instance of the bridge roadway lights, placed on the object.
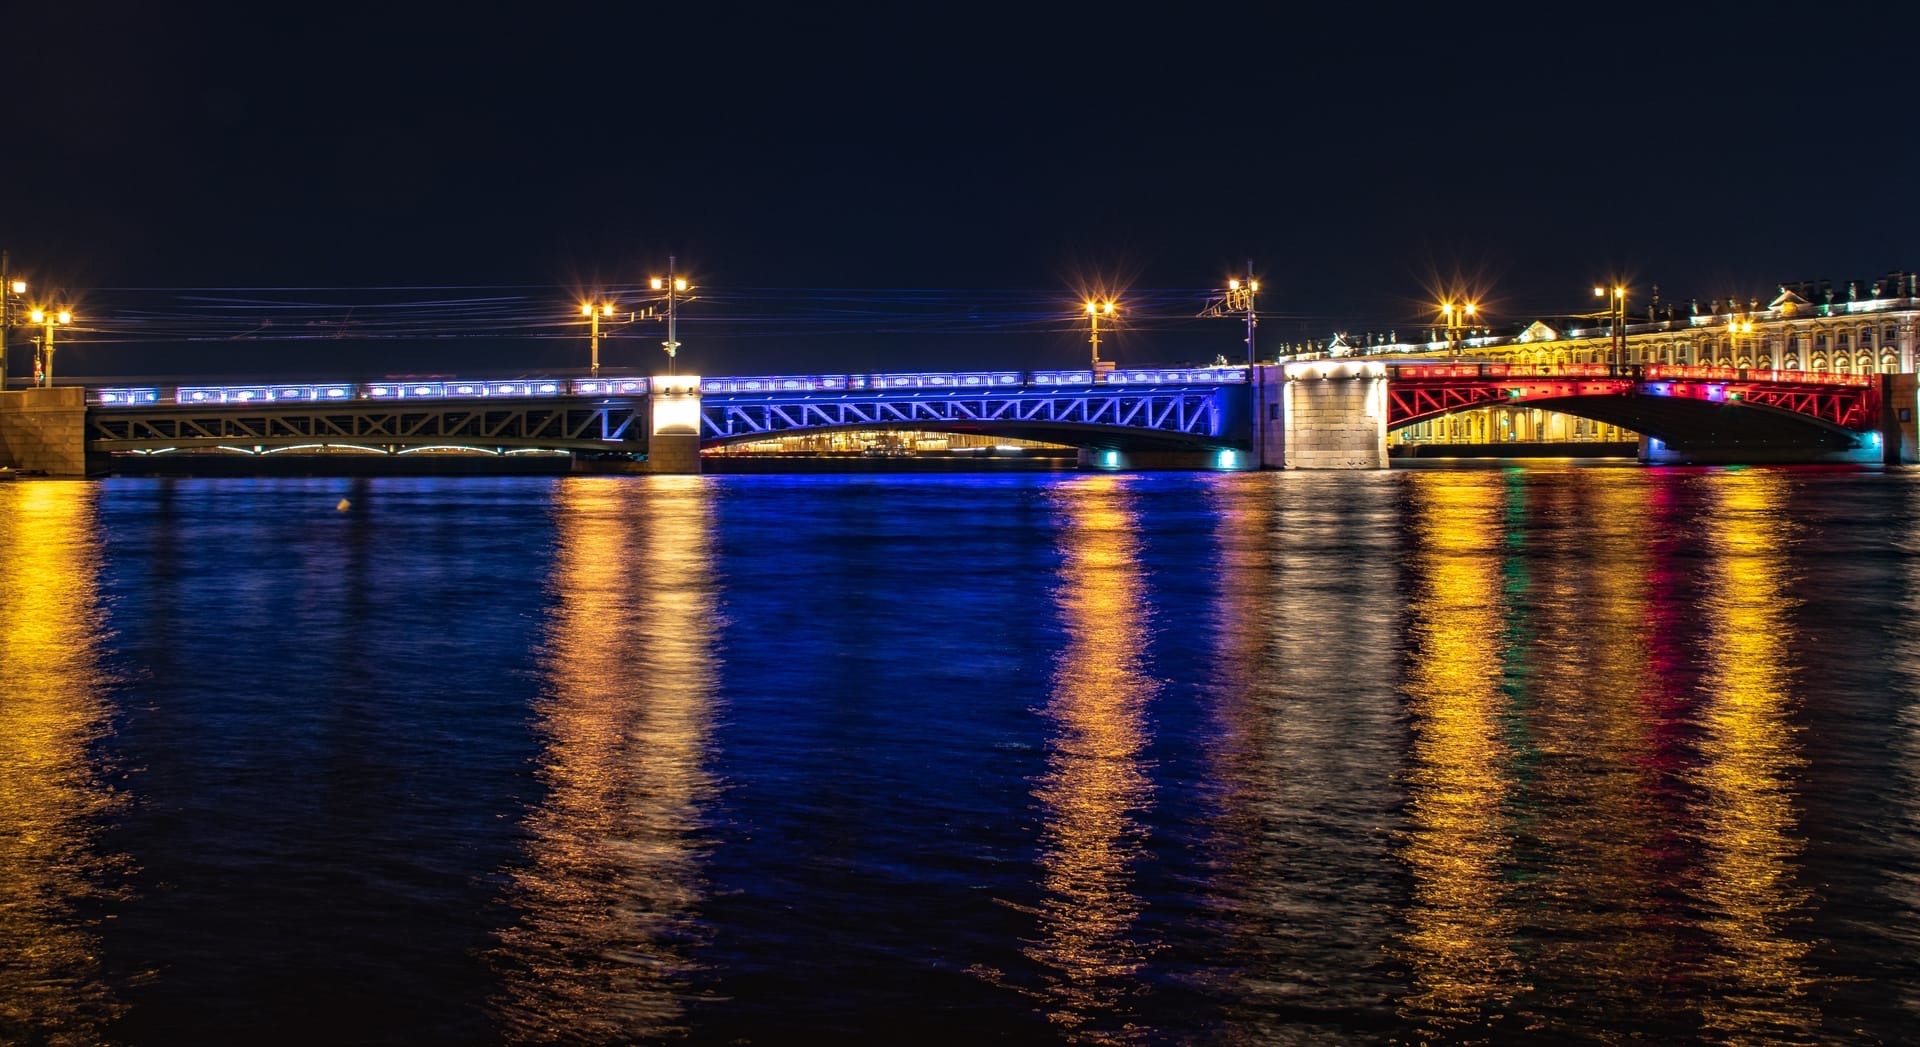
(673, 444)
(1107, 460)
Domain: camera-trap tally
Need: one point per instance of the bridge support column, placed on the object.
(1900, 418)
(673, 441)
(1332, 414)
(45, 431)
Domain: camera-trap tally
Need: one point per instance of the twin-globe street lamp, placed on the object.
(1095, 310)
(1616, 322)
(676, 288)
(43, 351)
(1455, 314)
(1238, 298)
(9, 290)
(593, 311)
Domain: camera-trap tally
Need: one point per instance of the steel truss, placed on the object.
(1414, 396)
(1847, 408)
(1187, 412)
(565, 425)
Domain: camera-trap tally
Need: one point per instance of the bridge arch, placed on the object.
(1684, 424)
(1119, 417)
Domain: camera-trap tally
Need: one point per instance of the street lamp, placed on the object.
(1238, 298)
(1616, 323)
(10, 288)
(1456, 314)
(676, 288)
(593, 311)
(43, 354)
(1095, 310)
(1737, 326)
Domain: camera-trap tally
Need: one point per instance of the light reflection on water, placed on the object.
(612, 886)
(53, 712)
(1094, 794)
(1756, 977)
(1458, 943)
(1446, 756)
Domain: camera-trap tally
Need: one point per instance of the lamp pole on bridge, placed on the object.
(10, 288)
(1616, 322)
(676, 288)
(593, 311)
(43, 355)
(1456, 314)
(1095, 310)
(1238, 298)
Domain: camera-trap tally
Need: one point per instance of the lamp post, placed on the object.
(676, 288)
(1095, 310)
(593, 311)
(10, 288)
(1616, 322)
(1238, 298)
(1736, 326)
(43, 357)
(1456, 314)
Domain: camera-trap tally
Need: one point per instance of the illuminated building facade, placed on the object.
(1864, 328)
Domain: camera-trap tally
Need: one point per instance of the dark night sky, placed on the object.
(1361, 155)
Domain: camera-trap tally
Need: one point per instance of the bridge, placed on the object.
(1310, 414)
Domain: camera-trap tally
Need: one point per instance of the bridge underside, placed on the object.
(1117, 420)
(1093, 438)
(1701, 430)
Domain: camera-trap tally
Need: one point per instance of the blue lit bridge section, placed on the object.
(1139, 409)
(1157, 408)
(498, 417)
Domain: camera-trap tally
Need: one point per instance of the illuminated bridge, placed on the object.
(1754, 414)
(1306, 414)
(1191, 408)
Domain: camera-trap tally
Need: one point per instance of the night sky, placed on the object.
(982, 163)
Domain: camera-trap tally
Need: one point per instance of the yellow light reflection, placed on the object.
(1459, 927)
(52, 711)
(1749, 757)
(613, 879)
(1094, 789)
(1590, 687)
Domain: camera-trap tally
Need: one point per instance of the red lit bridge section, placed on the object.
(1681, 406)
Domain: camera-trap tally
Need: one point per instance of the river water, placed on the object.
(1433, 755)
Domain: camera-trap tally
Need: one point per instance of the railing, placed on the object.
(1634, 372)
(455, 389)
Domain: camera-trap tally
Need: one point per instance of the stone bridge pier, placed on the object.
(1321, 414)
(44, 431)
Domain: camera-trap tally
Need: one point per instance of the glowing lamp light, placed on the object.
(19, 287)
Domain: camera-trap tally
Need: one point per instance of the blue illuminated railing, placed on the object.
(954, 381)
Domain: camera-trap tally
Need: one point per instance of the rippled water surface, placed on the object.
(1450, 756)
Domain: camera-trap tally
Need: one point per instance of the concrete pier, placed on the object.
(673, 444)
(1322, 414)
(44, 431)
